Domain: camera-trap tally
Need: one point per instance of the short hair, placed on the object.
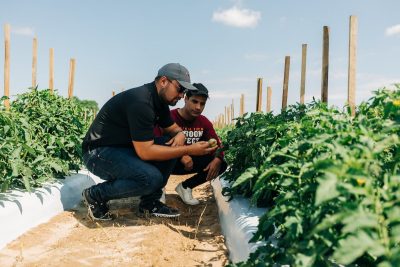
(190, 93)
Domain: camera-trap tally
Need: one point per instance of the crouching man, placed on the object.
(197, 128)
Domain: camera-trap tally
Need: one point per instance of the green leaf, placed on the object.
(26, 183)
(244, 177)
(353, 247)
(360, 220)
(326, 189)
(55, 166)
(40, 158)
(330, 221)
(16, 153)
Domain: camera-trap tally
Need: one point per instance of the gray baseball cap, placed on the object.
(176, 71)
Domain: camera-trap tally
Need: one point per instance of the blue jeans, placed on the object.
(126, 174)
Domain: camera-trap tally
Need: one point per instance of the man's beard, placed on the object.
(163, 98)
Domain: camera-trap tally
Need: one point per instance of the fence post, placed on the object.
(303, 72)
(232, 111)
(351, 88)
(269, 95)
(325, 65)
(7, 65)
(226, 117)
(51, 71)
(113, 93)
(285, 82)
(259, 94)
(241, 105)
(71, 78)
(228, 108)
(34, 62)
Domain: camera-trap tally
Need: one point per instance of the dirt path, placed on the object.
(70, 239)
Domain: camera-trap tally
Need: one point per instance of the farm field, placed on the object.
(70, 239)
(296, 109)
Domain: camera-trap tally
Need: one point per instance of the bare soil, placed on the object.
(71, 239)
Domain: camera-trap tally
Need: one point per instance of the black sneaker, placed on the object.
(96, 211)
(158, 209)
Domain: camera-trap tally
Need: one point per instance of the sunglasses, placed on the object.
(179, 88)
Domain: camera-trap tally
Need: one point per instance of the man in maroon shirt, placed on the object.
(196, 127)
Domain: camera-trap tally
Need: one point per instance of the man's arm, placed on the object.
(172, 130)
(178, 137)
(147, 150)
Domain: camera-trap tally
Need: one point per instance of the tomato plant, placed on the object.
(41, 139)
(330, 182)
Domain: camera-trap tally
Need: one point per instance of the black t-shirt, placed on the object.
(128, 116)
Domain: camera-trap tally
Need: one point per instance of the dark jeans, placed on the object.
(126, 174)
(199, 164)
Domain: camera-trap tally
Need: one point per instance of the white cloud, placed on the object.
(25, 31)
(393, 30)
(236, 17)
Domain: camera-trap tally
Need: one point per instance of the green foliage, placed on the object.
(331, 182)
(87, 104)
(41, 139)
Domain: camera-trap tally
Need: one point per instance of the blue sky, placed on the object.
(225, 44)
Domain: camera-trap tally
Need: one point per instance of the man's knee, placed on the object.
(155, 180)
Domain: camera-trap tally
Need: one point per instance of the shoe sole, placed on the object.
(90, 213)
(158, 215)
(164, 215)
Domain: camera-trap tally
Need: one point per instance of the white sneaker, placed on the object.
(186, 195)
(162, 198)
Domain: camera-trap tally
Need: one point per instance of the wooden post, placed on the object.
(71, 78)
(285, 82)
(232, 111)
(241, 112)
(351, 88)
(51, 72)
(226, 117)
(303, 72)
(259, 94)
(34, 62)
(325, 65)
(269, 95)
(228, 108)
(7, 65)
(113, 93)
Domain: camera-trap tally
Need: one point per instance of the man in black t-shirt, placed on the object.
(120, 147)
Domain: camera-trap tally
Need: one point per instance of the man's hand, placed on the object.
(200, 148)
(177, 140)
(187, 162)
(213, 169)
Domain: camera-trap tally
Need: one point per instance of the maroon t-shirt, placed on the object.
(200, 129)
